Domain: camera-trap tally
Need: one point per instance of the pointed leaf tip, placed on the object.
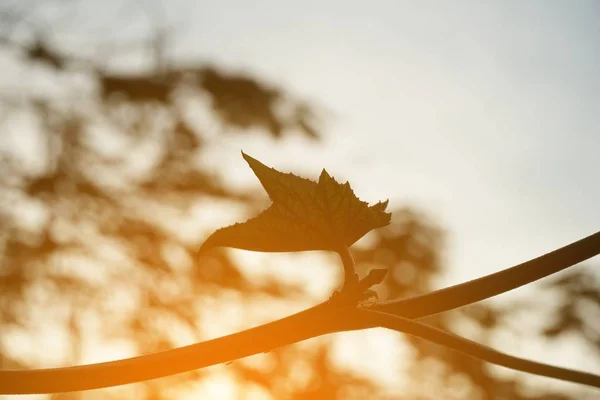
(245, 156)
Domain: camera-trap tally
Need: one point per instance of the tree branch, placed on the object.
(313, 322)
(331, 316)
(327, 317)
(494, 284)
(472, 348)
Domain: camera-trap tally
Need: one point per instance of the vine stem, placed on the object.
(350, 275)
(320, 320)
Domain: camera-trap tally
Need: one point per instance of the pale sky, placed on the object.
(484, 114)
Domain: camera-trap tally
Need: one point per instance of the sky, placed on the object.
(482, 114)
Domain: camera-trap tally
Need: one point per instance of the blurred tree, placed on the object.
(103, 179)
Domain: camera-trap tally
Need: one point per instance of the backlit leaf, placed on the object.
(305, 215)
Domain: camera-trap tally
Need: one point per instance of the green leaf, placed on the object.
(305, 215)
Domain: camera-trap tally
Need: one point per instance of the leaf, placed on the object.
(305, 215)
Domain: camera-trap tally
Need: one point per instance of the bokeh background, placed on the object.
(121, 125)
